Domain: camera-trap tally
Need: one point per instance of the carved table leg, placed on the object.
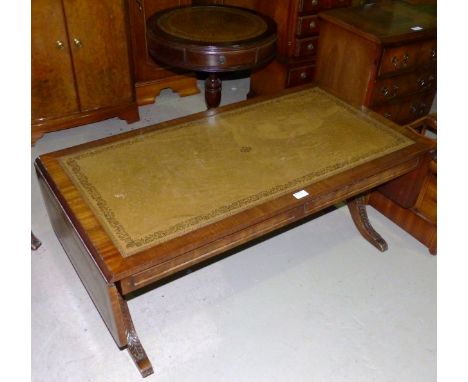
(134, 346)
(213, 90)
(35, 242)
(357, 207)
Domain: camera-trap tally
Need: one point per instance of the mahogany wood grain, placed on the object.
(53, 91)
(81, 68)
(152, 77)
(115, 267)
(393, 50)
(419, 218)
(176, 37)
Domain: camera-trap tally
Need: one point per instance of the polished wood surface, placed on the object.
(112, 276)
(298, 39)
(152, 77)
(53, 92)
(81, 70)
(211, 39)
(393, 49)
(420, 219)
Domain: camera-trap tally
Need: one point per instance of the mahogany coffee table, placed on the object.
(211, 39)
(135, 208)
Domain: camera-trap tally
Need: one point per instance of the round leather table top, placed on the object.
(211, 25)
(211, 38)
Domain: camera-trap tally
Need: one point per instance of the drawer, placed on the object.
(392, 87)
(301, 75)
(305, 46)
(226, 60)
(407, 57)
(307, 26)
(407, 109)
(309, 5)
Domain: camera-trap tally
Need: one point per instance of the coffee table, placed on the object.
(138, 207)
(211, 39)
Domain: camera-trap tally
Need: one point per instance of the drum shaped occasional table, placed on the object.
(211, 39)
(135, 208)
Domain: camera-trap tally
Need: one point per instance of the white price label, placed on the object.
(300, 194)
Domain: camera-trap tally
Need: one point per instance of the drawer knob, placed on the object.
(77, 42)
(310, 46)
(389, 93)
(303, 75)
(140, 6)
(314, 2)
(405, 59)
(418, 109)
(312, 25)
(60, 44)
(221, 60)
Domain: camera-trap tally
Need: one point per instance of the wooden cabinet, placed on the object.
(298, 41)
(421, 219)
(81, 69)
(382, 56)
(150, 76)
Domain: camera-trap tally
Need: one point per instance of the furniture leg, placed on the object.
(134, 346)
(357, 208)
(213, 90)
(35, 242)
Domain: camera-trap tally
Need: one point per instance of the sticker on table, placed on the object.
(300, 194)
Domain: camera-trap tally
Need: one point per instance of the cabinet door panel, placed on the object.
(99, 45)
(53, 91)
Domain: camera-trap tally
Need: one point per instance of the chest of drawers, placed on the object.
(298, 40)
(382, 56)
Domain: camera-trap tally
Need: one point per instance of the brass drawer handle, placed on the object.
(303, 75)
(418, 109)
(77, 42)
(426, 83)
(312, 25)
(314, 2)
(60, 44)
(390, 93)
(405, 59)
(310, 46)
(221, 60)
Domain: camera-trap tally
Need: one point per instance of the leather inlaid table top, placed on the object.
(135, 208)
(165, 182)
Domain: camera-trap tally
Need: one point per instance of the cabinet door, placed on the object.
(53, 91)
(99, 45)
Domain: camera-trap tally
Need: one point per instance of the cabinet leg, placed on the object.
(357, 208)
